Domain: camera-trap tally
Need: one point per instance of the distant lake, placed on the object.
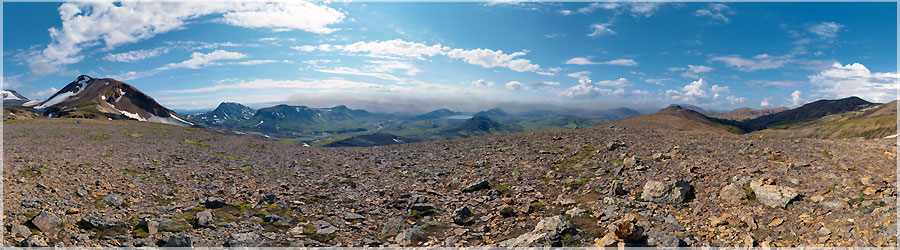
(457, 117)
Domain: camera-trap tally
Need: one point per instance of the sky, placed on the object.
(467, 56)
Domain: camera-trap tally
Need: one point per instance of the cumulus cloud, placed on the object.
(759, 62)
(398, 49)
(583, 91)
(856, 80)
(199, 59)
(767, 102)
(136, 55)
(586, 61)
(657, 81)
(826, 29)
(716, 11)
(694, 92)
(514, 85)
(600, 29)
(108, 24)
(796, 100)
(618, 83)
(735, 100)
(692, 71)
(482, 82)
(488, 58)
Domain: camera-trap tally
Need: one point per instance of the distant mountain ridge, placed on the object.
(805, 113)
(225, 112)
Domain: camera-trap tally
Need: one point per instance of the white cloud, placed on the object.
(579, 74)
(699, 68)
(735, 100)
(580, 61)
(398, 49)
(719, 89)
(583, 91)
(618, 83)
(255, 62)
(826, 29)
(856, 80)
(657, 81)
(91, 24)
(391, 66)
(136, 55)
(565, 12)
(273, 84)
(767, 102)
(482, 82)
(600, 29)
(759, 62)
(586, 61)
(488, 58)
(777, 83)
(645, 9)
(514, 85)
(622, 62)
(796, 100)
(541, 85)
(695, 92)
(284, 16)
(353, 71)
(716, 11)
(199, 59)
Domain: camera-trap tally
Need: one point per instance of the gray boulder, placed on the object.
(46, 221)
(670, 192)
(549, 232)
(772, 195)
(411, 237)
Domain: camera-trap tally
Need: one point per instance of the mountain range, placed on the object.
(105, 98)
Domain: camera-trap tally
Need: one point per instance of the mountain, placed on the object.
(437, 114)
(494, 113)
(369, 140)
(808, 112)
(692, 107)
(874, 121)
(88, 97)
(678, 118)
(225, 112)
(288, 121)
(480, 125)
(747, 113)
(622, 113)
(13, 98)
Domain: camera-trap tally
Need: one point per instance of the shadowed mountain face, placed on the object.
(679, 119)
(376, 139)
(437, 114)
(874, 121)
(808, 112)
(13, 98)
(226, 112)
(747, 113)
(88, 97)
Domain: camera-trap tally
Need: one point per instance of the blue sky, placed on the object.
(464, 56)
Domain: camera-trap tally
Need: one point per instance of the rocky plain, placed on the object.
(78, 182)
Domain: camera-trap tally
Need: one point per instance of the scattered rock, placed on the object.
(166, 225)
(733, 193)
(19, 230)
(179, 240)
(35, 241)
(662, 239)
(249, 239)
(671, 192)
(353, 217)
(772, 195)
(393, 226)
(46, 221)
(575, 212)
(90, 222)
(114, 200)
(462, 216)
(478, 185)
(411, 237)
(205, 219)
(548, 232)
(214, 203)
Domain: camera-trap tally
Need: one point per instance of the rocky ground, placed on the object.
(74, 182)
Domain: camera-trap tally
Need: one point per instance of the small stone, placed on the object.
(179, 240)
(507, 211)
(718, 221)
(114, 200)
(630, 161)
(817, 198)
(353, 216)
(835, 204)
(393, 226)
(776, 222)
(46, 221)
(478, 185)
(35, 241)
(462, 216)
(20, 231)
(666, 192)
(248, 239)
(824, 231)
(575, 212)
(608, 240)
(733, 193)
(205, 219)
(214, 203)
(411, 237)
(73, 210)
